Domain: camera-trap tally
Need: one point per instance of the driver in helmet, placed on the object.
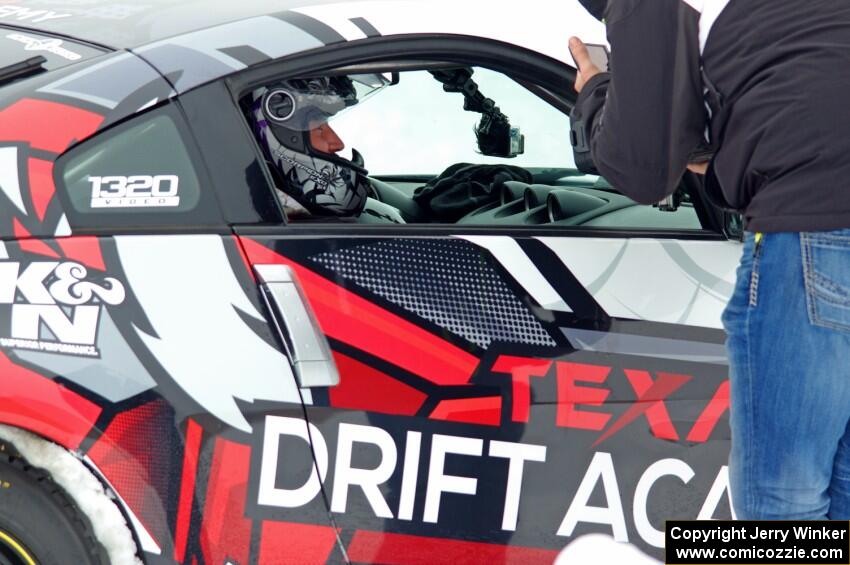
(291, 124)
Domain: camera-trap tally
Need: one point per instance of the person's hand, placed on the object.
(586, 69)
(698, 168)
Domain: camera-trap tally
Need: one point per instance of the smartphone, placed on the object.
(600, 56)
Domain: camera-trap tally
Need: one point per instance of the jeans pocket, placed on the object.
(826, 265)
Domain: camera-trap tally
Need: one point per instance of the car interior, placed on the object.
(507, 174)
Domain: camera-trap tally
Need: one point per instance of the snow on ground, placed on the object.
(88, 493)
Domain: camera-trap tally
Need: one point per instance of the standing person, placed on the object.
(766, 84)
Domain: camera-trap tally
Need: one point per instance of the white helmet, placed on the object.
(290, 120)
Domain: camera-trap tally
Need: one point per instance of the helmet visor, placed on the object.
(305, 104)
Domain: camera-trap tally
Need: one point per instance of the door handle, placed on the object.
(297, 327)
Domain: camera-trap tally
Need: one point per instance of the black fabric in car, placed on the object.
(464, 187)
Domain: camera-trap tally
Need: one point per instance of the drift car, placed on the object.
(222, 340)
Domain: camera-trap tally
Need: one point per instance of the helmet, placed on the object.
(595, 7)
(290, 119)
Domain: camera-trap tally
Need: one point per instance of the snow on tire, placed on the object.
(53, 508)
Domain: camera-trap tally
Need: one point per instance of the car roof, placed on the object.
(536, 24)
(120, 25)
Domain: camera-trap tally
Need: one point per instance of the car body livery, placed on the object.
(250, 389)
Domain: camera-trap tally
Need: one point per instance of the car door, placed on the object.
(507, 385)
(503, 405)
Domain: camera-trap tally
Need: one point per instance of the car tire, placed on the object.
(39, 523)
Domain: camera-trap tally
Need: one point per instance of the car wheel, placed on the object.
(39, 523)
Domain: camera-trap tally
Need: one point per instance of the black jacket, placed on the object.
(765, 82)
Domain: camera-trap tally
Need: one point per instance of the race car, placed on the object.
(304, 282)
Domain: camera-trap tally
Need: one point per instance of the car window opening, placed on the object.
(434, 144)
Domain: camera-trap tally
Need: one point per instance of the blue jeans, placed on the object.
(788, 326)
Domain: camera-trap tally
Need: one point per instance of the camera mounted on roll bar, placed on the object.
(496, 137)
